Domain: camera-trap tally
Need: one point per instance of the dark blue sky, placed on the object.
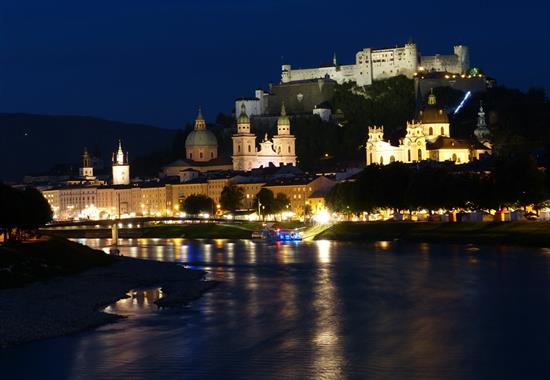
(155, 61)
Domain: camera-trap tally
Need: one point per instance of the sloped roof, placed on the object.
(443, 142)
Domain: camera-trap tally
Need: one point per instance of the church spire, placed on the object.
(481, 116)
(199, 121)
(243, 121)
(283, 122)
(119, 157)
(481, 132)
(431, 98)
(86, 160)
(334, 61)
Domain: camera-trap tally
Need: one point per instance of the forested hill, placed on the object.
(34, 143)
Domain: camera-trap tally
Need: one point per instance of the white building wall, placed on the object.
(370, 64)
(121, 174)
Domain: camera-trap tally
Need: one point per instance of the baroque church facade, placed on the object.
(428, 139)
(280, 150)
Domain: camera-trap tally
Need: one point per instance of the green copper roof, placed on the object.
(243, 117)
(201, 137)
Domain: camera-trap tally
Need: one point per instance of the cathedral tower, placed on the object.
(283, 142)
(121, 167)
(244, 144)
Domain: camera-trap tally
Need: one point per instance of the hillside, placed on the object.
(34, 143)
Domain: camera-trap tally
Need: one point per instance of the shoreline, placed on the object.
(69, 304)
(529, 234)
(520, 233)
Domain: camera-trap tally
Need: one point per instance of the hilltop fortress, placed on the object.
(310, 90)
(373, 64)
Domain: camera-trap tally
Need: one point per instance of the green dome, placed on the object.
(201, 137)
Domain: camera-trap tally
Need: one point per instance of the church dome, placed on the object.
(431, 114)
(201, 137)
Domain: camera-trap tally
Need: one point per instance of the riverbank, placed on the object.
(168, 231)
(65, 304)
(512, 233)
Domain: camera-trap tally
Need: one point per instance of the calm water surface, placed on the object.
(320, 310)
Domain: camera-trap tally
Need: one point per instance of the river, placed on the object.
(319, 310)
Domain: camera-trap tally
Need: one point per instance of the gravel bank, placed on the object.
(69, 304)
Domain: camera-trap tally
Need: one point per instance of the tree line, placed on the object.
(231, 200)
(22, 211)
(511, 182)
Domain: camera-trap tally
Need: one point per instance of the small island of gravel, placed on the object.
(56, 287)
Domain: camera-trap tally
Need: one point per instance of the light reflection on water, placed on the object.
(138, 300)
(321, 310)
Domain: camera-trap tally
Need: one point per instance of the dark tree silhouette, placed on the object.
(22, 210)
(197, 203)
(231, 198)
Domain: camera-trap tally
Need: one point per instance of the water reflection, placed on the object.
(323, 247)
(136, 301)
(321, 309)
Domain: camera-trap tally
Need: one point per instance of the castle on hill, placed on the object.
(374, 64)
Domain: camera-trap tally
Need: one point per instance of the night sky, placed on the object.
(156, 61)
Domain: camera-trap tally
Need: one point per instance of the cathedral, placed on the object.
(280, 150)
(428, 139)
(201, 153)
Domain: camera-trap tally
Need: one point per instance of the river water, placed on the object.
(319, 310)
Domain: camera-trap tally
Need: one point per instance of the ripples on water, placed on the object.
(321, 310)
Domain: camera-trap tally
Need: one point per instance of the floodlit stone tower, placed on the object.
(244, 144)
(121, 167)
(376, 135)
(283, 142)
(87, 169)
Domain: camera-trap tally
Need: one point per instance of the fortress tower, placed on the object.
(121, 167)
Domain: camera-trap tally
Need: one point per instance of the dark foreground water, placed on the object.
(320, 310)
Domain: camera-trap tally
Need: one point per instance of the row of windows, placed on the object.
(239, 149)
(392, 158)
(200, 155)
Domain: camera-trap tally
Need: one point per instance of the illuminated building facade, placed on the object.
(425, 139)
(280, 150)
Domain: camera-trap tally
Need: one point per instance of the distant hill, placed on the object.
(34, 143)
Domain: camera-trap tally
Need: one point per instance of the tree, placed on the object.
(281, 203)
(232, 197)
(265, 200)
(36, 210)
(518, 181)
(22, 210)
(198, 203)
